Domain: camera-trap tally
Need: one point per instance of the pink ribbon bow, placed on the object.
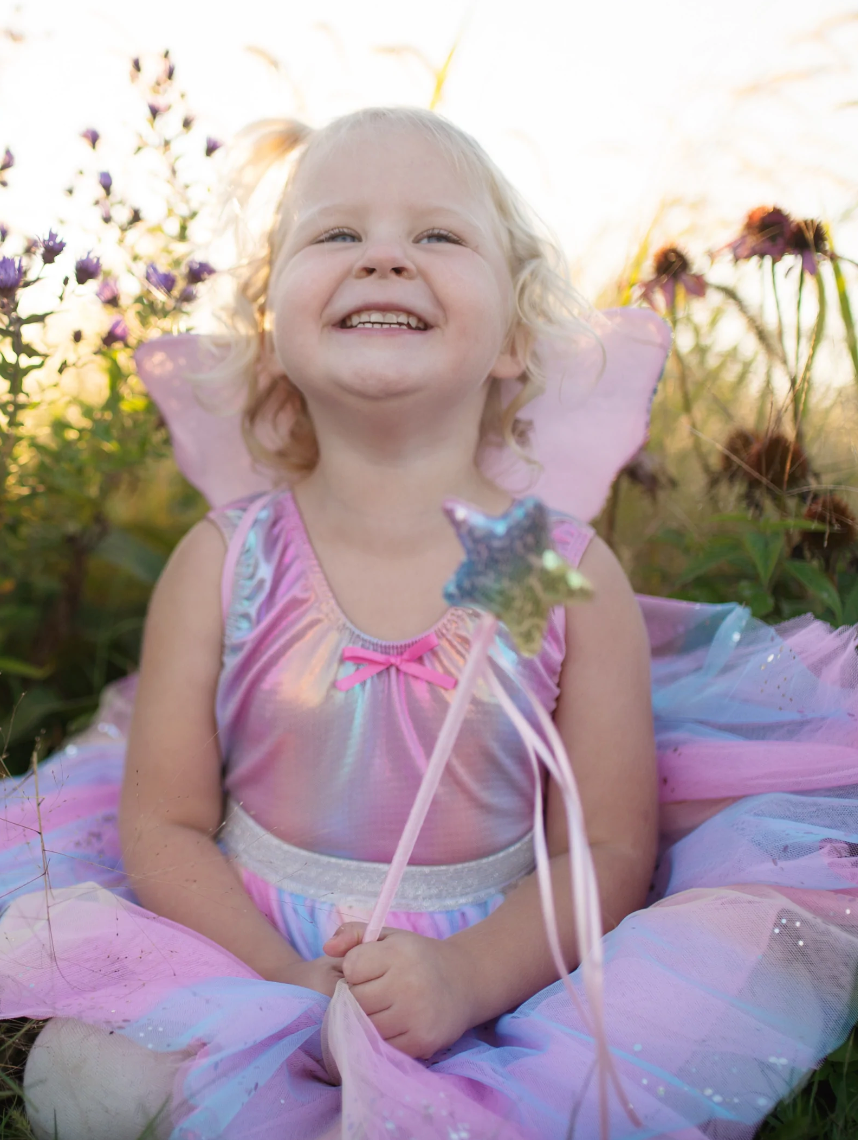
(374, 663)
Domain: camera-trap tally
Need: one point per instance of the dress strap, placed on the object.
(235, 547)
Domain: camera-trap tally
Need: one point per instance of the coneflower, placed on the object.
(777, 461)
(671, 267)
(766, 233)
(807, 239)
(841, 525)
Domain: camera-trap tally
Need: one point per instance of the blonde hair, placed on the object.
(545, 304)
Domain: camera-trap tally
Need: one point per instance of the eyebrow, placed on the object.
(318, 212)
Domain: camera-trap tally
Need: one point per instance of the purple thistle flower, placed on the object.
(4, 233)
(156, 109)
(108, 291)
(11, 276)
(86, 269)
(117, 333)
(104, 210)
(7, 161)
(105, 181)
(158, 279)
(135, 64)
(91, 135)
(198, 271)
(212, 145)
(52, 247)
(187, 295)
(187, 122)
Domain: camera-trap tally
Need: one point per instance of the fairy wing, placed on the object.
(205, 432)
(591, 419)
(594, 413)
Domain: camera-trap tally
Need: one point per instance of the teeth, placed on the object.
(372, 318)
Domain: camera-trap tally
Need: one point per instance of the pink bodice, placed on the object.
(335, 770)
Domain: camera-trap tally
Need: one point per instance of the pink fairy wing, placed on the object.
(587, 426)
(208, 445)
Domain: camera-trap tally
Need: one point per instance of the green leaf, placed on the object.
(768, 526)
(758, 599)
(719, 550)
(131, 554)
(850, 606)
(818, 585)
(25, 669)
(765, 551)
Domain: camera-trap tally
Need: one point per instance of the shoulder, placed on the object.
(611, 622)
(188, 591)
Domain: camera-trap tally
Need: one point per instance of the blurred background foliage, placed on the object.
(745, 492)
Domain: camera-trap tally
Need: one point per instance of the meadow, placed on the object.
(746, 490)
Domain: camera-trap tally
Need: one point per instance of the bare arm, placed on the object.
(604, 716)
(172, 799)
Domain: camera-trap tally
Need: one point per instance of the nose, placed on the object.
(384, 259)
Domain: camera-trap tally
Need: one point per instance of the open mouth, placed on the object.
(388, 319)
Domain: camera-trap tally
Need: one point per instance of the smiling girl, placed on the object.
(266, 783)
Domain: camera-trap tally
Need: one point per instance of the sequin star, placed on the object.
(511, 569)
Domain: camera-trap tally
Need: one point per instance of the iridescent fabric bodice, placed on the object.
(336, 771)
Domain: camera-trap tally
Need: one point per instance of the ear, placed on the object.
(510, 362)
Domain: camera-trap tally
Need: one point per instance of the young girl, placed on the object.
(269, 773)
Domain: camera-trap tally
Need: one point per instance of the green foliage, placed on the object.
(90, 504)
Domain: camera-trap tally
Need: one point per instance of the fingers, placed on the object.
(373, 997)
(349, 935)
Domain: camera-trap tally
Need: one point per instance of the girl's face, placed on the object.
(382, 223)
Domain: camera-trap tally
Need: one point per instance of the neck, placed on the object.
(391, 477)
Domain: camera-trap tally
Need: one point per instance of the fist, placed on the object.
(414, 989)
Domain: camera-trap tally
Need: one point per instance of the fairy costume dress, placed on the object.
(738, 978)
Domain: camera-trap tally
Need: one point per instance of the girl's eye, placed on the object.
(443, 235)
(335, 235)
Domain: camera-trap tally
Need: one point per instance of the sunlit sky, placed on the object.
(601, 113)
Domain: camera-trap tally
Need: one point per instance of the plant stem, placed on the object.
(687, 405)
(791, 378)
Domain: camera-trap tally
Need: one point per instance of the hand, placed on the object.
(413, 989)
(320, 974)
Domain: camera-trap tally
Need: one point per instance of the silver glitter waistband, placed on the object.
(357, 883)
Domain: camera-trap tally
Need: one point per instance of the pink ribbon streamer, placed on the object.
(374, 662)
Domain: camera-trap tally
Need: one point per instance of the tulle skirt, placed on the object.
(735, 981)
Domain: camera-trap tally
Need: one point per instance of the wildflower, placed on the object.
(52, 247)
(777, 461)
(86, 269)
(116, 334)
(187, 122)
(734, 458)
(808, 240)
(108, 291)
(104, 210)
(169, 71)
(105, 181)
(77, 336)
(841, 525)
(4, 233)
(7, 161)
(134, 217)
(766, 233)
(187, 295)
(11, 276)
(160, 279)
(156, 109)
(212, 145)
(671, 267)
(91, 135)
(135, 66)
(198, 271)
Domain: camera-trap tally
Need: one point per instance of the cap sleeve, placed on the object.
(570, 537)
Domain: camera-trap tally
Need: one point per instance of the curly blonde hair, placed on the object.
(545, 303)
